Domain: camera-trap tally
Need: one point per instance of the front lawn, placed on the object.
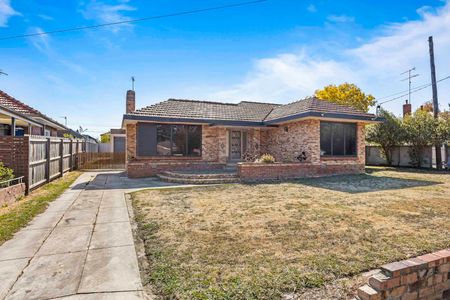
(20, 213)
(268, 240)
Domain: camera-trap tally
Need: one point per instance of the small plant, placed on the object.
(5, 172)
(267, 159)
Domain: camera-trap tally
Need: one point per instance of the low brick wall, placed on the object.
(142, 168)
(423, 277)
(249, 172)
(11, 194)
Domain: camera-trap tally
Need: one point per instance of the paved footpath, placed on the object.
(81, 247)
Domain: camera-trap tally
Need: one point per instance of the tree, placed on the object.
(68, 136)
(105, 137)
(346, 94)
(423, 130)
(387, 135)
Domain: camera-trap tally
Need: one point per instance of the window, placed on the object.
(337, 139)
(163, 140)
(178, 140)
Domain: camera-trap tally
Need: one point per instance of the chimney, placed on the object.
(406, 109)
(131, 101)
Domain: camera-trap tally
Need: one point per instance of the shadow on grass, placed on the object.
(375, 169)
(364, 183)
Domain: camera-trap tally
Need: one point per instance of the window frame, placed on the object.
(186, 141)
(345, 125)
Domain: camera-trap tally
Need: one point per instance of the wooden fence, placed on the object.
(50, 158)
(101, 160)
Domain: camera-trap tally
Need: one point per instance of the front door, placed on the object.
(235, 145)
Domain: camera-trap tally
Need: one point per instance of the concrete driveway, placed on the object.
(81, 247)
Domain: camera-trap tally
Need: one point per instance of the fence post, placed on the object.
(47, 163)
(76, 155)
(71, 155)
(61, 157)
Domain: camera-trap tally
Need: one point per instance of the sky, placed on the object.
(276, 51)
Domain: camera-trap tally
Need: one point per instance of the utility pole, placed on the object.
(410, 76)
(435, 99)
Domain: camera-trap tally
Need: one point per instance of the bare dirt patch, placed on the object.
(306, 238)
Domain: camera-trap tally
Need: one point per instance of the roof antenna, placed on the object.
(132, 83)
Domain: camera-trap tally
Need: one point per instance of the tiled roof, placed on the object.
(243, 111)
(19, 107)
(312, 104)
(206, 110)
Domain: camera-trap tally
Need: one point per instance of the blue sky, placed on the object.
(276, 51)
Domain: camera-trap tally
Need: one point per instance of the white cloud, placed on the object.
(40, 42)
(287, 77)
(6, 12)
(375, 65)
(312, 8)
(46, 17)
(105, 13)
(340, 19)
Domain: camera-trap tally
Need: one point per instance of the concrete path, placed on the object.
(81, 247)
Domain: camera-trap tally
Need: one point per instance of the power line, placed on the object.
(414, 90)
(176, 14)
(401, 92)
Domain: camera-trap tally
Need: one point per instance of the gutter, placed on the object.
(270, 123)
(16, 115)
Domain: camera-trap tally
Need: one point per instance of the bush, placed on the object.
(266, 159)
(5, 173)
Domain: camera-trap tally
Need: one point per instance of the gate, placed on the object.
(101, 161)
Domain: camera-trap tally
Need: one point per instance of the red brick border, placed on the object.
(423, 277)
(249, 172)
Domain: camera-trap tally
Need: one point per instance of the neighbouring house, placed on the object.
(310, 137)
(116, 141)
(18, 119)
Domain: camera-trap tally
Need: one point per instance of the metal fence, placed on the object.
(10, 182)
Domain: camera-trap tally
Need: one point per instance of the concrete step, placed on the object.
(200, 180)
(200, 175)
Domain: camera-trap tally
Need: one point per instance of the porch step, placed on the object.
(201, 175)
(204, 177)
(197, 181)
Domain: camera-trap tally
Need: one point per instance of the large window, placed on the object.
(178, 140)
(337, 139)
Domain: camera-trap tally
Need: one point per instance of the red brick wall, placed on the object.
(280, 171)
(10, 194)
(423, 277)
(14, 154)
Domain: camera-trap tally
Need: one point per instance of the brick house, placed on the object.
(310, 137)
(18, 119)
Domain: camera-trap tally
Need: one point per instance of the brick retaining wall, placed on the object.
(14, 154)
(423, 277)
(147, 168)
(11, 194)
(249, 172)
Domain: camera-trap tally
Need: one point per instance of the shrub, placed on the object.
(267, 159)
(5, 172)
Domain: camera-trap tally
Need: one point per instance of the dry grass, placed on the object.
(265, 241)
